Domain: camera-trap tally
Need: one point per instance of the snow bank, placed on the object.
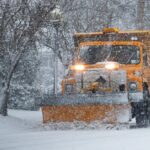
(23, 130)
(78, 125)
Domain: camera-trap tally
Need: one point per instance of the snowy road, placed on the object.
(22, 130)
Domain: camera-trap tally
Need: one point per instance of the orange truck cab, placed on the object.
(109, 79)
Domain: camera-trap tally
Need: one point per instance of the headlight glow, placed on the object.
(79, 67)
(110, 66)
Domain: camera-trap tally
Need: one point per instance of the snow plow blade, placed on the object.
(107, 109)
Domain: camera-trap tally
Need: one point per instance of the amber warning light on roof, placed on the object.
(110, 30)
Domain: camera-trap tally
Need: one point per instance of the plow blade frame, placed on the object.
(110, 108)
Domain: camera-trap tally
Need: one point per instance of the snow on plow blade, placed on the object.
(110, 108)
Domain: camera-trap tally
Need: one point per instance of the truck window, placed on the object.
(123, 54)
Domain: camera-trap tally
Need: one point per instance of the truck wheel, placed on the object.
(142, 121)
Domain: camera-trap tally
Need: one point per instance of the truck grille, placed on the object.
(100, 81)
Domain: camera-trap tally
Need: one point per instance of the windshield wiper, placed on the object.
(133, 54)
(108, 56)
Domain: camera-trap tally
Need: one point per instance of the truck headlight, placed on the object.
(78, 67)
(111, 65)
(133, 86)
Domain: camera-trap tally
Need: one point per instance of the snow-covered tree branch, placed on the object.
(19, 25)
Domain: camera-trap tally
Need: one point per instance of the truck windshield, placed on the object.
(123, 54)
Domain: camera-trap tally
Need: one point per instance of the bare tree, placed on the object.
(20, 22)
(140, 14)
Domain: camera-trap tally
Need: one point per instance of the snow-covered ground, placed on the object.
(23, 130)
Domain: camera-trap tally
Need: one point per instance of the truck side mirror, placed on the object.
(145, 59)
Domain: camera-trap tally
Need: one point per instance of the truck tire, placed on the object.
(147, 101)
(142, 120)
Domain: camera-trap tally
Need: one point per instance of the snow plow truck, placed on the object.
(108, 81)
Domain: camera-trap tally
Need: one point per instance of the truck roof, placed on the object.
(146, 32)
(135, 35)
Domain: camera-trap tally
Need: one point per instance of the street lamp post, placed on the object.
(57, 19)
(56, 60)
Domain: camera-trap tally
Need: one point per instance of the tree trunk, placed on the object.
(140, 14)
(3, 102)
